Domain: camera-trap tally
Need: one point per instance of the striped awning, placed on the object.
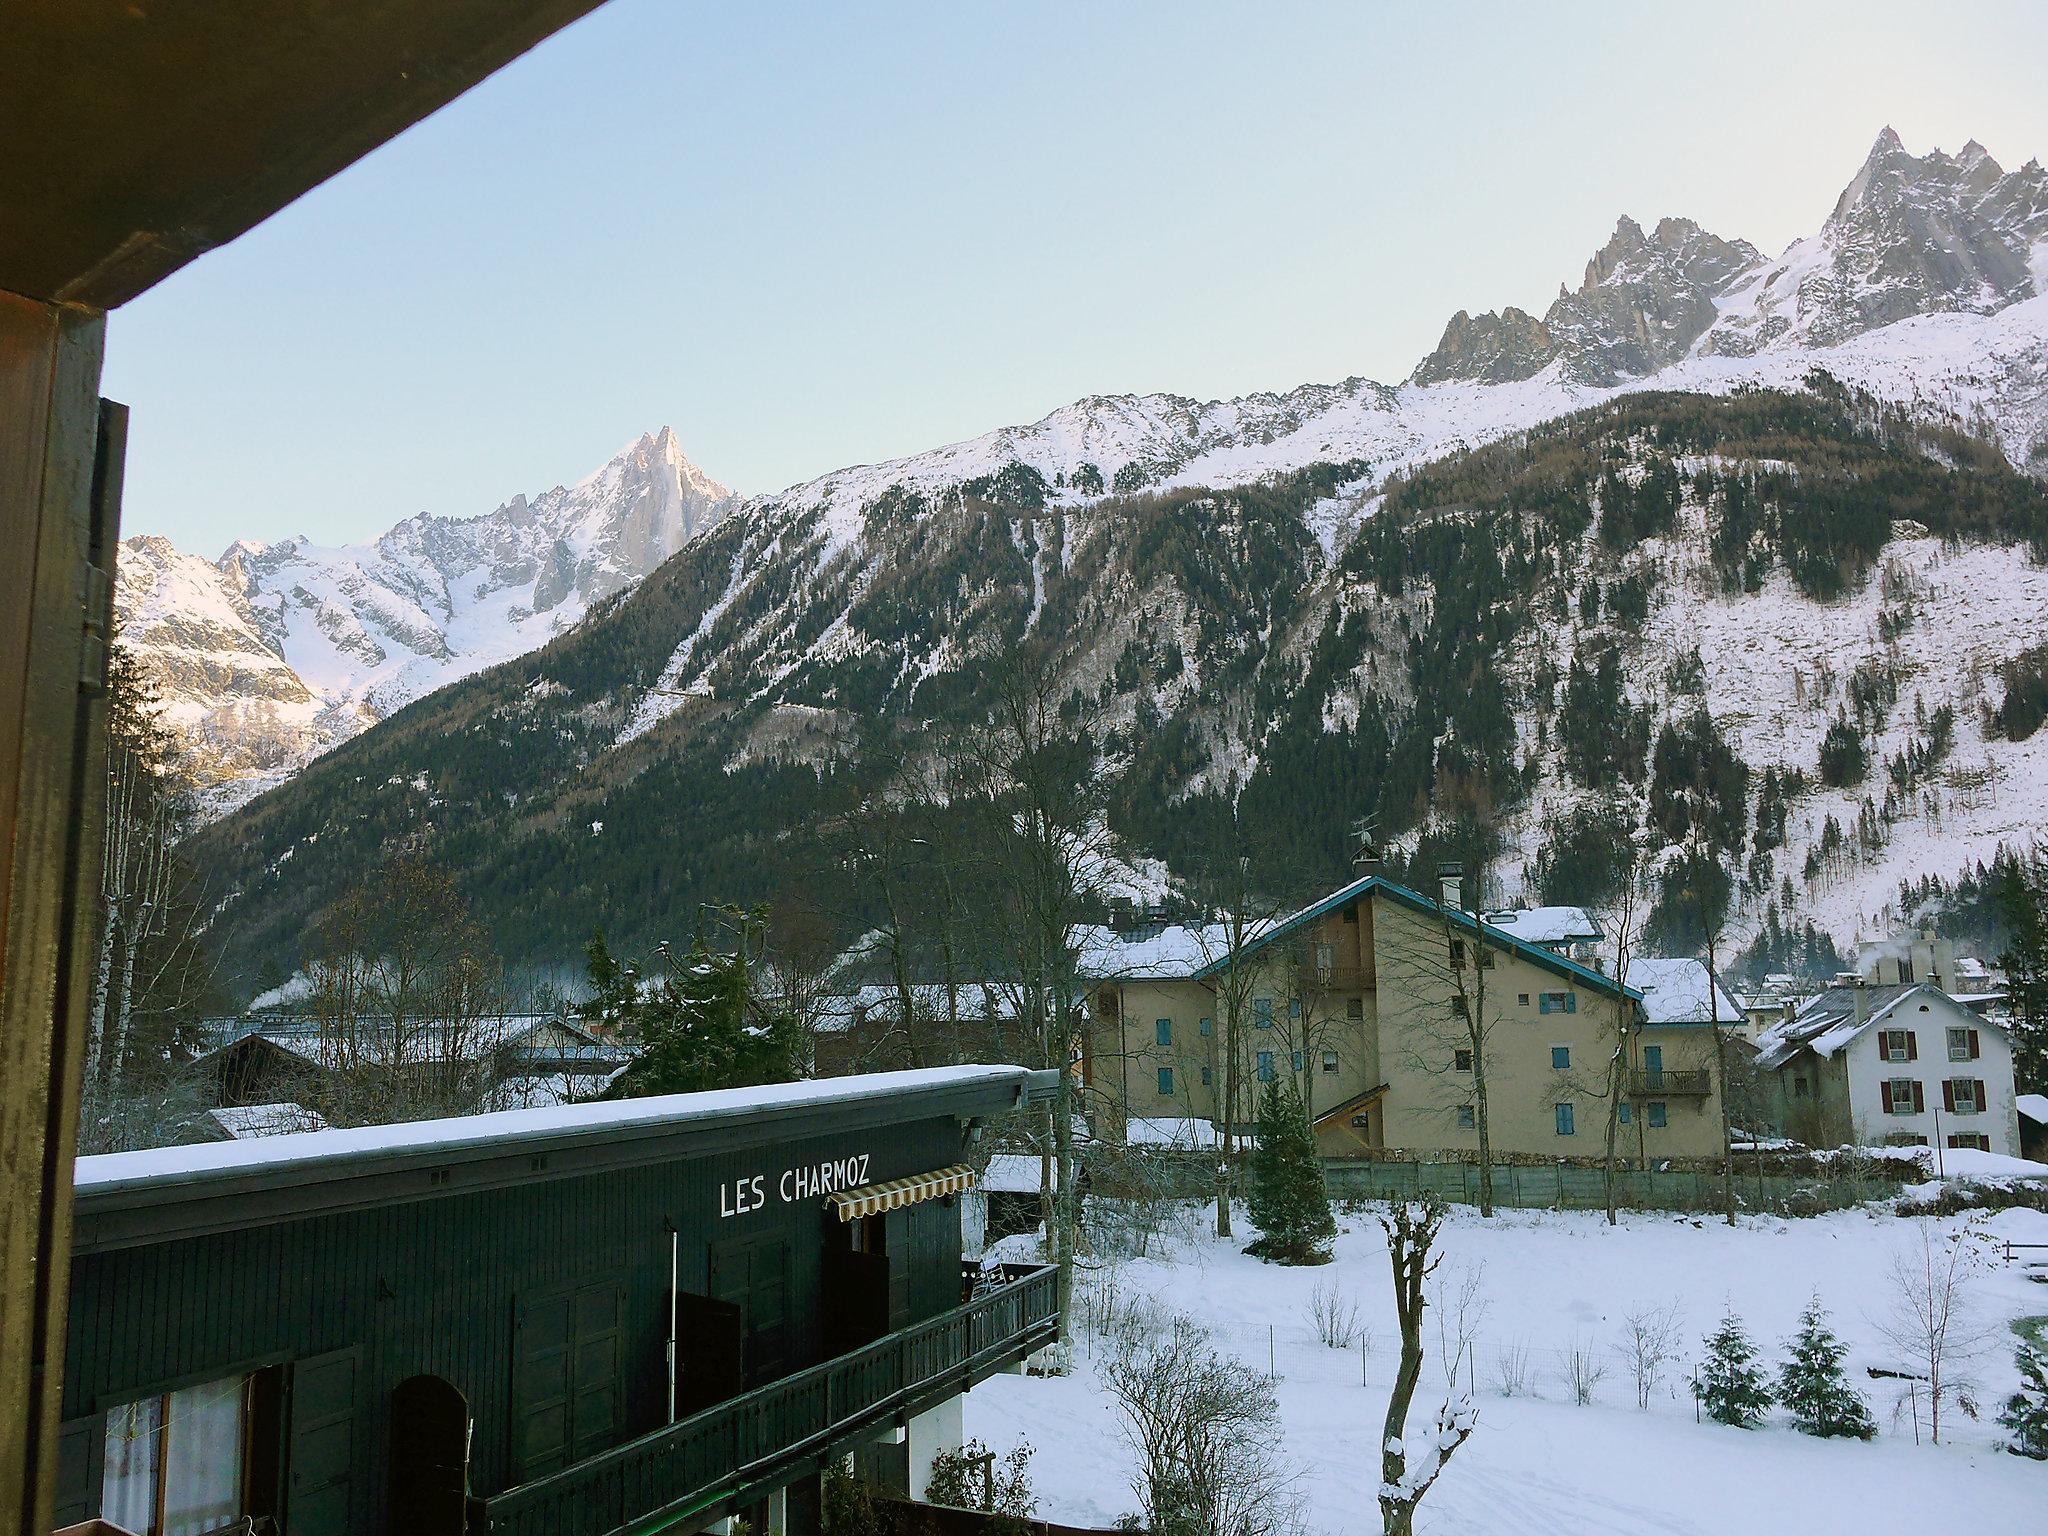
(873, 1199)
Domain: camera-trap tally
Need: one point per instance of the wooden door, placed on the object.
(321, 1454)
(752, 1275)
(568, 1368)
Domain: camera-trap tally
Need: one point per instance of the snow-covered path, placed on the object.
(1552, 1282)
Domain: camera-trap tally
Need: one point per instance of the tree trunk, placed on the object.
(1617, 1075)
(1479, 1118)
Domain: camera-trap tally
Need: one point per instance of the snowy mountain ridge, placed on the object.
(1924, 288)
(277, 652)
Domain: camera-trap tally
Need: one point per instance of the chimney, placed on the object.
(1452, 877)
(1861, 997)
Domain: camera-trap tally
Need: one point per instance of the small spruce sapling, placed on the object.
(2026, 1411)
(1812, 1387)
(1290, 1203)
(1731, 1384)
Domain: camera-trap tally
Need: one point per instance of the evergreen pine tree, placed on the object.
(1731, 1385)
(1289, 1202)
(1811, 1384)
(2026, 1411)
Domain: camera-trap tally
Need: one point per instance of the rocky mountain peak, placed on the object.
(1909, 235)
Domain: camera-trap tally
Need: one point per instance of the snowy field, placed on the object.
(1544, 1284)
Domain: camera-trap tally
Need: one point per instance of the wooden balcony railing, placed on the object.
(1685, 1084)
(773, 1433)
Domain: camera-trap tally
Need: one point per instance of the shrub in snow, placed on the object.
(1731, 1385)
(974, 1477)
(1204, 1429)
(1289, 1202)
(1335, 1317)
(2026, 1411)
(1811, 1384)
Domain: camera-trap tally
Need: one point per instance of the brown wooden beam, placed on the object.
(137, 134)
(53, 618)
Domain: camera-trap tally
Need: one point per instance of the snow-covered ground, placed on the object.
(1552, 1282)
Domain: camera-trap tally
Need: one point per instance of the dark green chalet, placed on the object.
(630, 1317)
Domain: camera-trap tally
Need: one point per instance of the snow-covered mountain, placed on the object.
(1909, 236)
(276, 652)
(1779, 491)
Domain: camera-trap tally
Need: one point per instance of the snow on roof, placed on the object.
(1156, 954)
(1677, 991)
(1012, 1173)
(1828, 1023)
(1548, 925)
(1187, 1134)
(975, 1000)
(2034, 1106)
(241, 1120)
(373, 1039)
(483, 1134)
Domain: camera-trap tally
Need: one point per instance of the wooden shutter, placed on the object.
(1948, 1094)
(1974, 1053)
(1983, 1102)
(1919, 1099)
(1884, 1089)
(1571, 1002)
(321, 1458)
(567, 1371)
(81, 1461)
(1912, 1045)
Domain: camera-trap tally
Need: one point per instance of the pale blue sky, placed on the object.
(807, 236)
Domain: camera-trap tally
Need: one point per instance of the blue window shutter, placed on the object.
(1205, 1077)
(1560, 1056)
(1565, 1118)
(1207, 1025)
(1166, 1082)
(1265, 1066)
(1657, 1117)
(1294, 1007)
(1297, 1061)
(1571, 1002)
(1623, 1116)
(1162, 1031)
(1543, 1003)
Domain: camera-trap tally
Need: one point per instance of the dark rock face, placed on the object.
(1910, 235)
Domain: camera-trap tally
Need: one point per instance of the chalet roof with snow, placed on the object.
(537, 1037)
(879, 1000)
(213, 1186)
(1829, 1024)
(1366, 886)
(1549, 926)
(1173, 952)
(1680, 991)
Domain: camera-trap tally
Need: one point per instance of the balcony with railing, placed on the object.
(1657, 1083)
(730, 1454)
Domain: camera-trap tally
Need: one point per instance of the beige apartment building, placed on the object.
(1383, 1007)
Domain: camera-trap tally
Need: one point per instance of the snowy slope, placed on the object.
(278, 651)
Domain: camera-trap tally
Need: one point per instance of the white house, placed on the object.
(1899, 1065)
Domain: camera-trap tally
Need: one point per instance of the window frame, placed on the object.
(1565, 1118)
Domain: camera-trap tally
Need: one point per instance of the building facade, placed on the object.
(1867, 1064)
(1382, 1008)
(597, 1318)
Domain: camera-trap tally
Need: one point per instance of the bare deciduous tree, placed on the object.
(1205, 1429)
(1334, 1316)
(1931, 1318)
(1650, 1341)
(404, 986)
(1411, 1227)
(1459, 1297)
